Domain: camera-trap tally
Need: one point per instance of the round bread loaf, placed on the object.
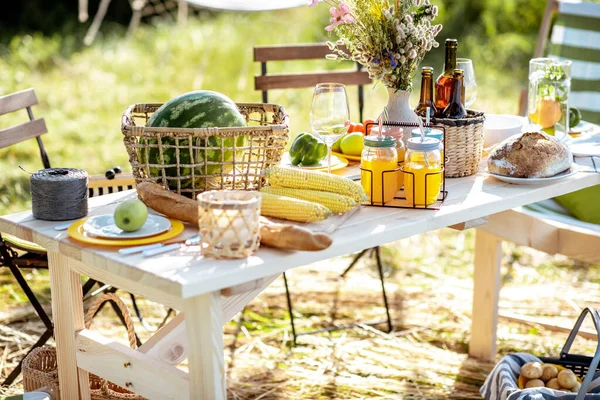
(530, 155)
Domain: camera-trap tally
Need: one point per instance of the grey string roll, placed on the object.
(59, 194)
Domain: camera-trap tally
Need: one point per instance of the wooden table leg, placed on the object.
(67, 312)
(486, 290)
(204, 328)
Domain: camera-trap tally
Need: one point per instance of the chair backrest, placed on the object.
(576, 36)
(34, 128)
(265, 82)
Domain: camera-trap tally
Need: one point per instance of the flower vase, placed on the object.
(398, 107)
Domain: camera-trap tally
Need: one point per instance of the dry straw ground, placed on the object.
(430, 286)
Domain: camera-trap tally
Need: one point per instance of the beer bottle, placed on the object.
(426, 93)
(443, 85)
(455, 109)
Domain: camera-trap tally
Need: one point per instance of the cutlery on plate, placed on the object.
(189, 241)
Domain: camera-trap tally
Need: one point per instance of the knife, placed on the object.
(195, 239)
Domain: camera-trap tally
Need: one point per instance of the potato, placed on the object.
(534, 383)
(549, 371)
(566, 379)
(532, 370)
(553, 384)
(576, 388)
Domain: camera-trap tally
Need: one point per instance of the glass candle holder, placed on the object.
(229, 223)
(549, 87)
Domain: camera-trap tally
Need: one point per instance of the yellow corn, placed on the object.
(337, 203)
(314, 180)
(292, 209)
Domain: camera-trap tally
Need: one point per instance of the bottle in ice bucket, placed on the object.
(379, 155)
(443, 84)
(423, 171)
(455, 108)
(426, 93)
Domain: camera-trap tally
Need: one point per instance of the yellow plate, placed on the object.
(522, 380)
(353, 158)
(76, 232)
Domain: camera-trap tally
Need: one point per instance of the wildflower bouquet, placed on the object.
(390, 40)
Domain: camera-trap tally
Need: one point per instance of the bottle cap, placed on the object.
(376, 141)
(427, 144)
(427, 69)
(451, 42)
(459, 72)
(434, 133)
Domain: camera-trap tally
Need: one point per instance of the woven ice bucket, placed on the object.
(463, 144)
(190, 161)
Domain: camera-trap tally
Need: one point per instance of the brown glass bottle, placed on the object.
(455, 108)
(426, 93)
(443, 84)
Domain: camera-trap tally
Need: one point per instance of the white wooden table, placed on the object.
(210, 292)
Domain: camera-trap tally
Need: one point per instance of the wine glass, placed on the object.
(329, 114)
(469, 80)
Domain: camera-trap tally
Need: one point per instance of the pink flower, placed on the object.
(312, 3)
(340, 15)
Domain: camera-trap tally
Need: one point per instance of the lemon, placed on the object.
(547, 113)
(352, 144)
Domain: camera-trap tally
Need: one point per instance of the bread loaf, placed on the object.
(530, 155)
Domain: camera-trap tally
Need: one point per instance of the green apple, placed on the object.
(352, 144)
(131, 215)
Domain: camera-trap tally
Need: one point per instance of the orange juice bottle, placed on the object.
(422, 171)
(378, 175)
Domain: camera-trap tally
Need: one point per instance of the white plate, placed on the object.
(287, 162)
(104, 226)
(536, 181)
(586, 147)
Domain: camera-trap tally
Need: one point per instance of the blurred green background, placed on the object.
(83, 90)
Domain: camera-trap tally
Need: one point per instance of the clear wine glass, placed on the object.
(469, 80)
(329, 114)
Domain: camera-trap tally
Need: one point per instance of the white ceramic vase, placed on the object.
(398, 106)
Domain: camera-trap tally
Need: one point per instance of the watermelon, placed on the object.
(198, 109)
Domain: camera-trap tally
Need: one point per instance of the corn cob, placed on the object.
(292, 209)
(337, 203)
(314, 180)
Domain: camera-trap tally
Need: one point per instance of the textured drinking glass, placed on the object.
(549, 87)
(229, 223)
(329, 114)
(470, 83)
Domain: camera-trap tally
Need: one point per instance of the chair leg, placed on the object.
(290, 307)
(354, 261)
(30, 296)
(383, 292)
(17, 370)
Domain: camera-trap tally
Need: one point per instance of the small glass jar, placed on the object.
(423, 171)
(434, 133)
(379, 163)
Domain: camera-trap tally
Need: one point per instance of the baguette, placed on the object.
(281, 236)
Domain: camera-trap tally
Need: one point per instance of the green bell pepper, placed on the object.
(307, 150)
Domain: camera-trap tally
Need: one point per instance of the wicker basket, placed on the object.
(184, 160)
(463, 144)
(40, 368)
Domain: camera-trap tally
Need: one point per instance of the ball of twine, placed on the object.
(59, 194)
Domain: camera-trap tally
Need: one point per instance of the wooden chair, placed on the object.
(358, 77)
(17, 254)
(265, 82)
(543, 226)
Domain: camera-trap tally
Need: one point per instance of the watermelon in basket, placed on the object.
(198, 109)
(507, 381)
